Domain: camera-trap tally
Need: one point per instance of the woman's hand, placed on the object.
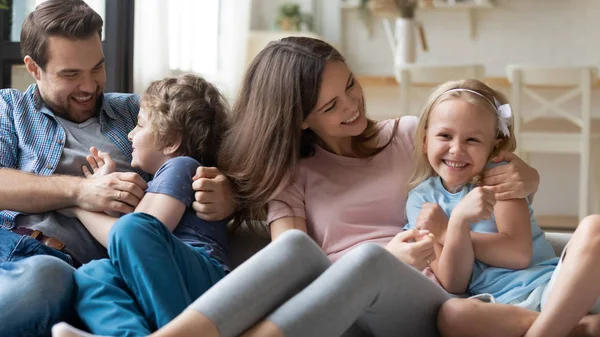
(515, 180)
(476, 206)
(101, 163)
(413, 247)
(432, 218)
(214, 194)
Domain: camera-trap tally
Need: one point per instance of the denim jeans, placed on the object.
(149, 279)
(36, 286)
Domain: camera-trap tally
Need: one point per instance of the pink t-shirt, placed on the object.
(349, 201)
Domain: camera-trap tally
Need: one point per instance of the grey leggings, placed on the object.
(292, 283)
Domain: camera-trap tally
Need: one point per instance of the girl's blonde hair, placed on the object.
(422, 168)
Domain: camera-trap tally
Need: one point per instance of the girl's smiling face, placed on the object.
(459, 140)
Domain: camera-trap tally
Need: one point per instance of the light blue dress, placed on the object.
(506, 285)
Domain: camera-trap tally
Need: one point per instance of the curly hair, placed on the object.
(188, 109)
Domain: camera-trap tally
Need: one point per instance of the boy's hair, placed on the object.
(422, 169)
(72, 19)
(187, 109)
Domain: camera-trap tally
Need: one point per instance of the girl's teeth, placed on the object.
(455, 165)
(351, 119)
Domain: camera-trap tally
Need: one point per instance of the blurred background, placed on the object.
(542, 54)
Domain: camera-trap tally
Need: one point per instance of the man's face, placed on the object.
(74, 78)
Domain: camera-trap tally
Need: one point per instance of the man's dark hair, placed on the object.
(72, 19)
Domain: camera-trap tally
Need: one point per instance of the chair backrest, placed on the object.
(526, 82)
(410, 76)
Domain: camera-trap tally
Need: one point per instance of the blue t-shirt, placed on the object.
(505, 284)
(174, 178)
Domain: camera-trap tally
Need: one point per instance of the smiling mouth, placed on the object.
(455, 164)
(352, 119)
(83, 99)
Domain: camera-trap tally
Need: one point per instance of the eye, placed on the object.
(473, 140)
(98, 68)
(331, 107)
(351, 84)
(444, 136)
(70, 75)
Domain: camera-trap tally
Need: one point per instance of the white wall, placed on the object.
(544, 32)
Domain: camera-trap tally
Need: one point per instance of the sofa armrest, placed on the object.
(558, 241)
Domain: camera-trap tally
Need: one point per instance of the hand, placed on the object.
(515, 180)
(100, 162)
(432, 218)
(476, 206)
(118, 192)
(214, 197)
(418, 254)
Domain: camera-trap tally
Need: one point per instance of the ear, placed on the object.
(304, 125)
(424, 147)
(498, 142)
(32, 67)
(172, 149)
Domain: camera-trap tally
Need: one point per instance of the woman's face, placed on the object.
(339, 112)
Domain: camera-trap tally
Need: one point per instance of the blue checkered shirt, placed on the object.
(32, 140)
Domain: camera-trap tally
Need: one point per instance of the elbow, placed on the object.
(522, 259)
(453, 287)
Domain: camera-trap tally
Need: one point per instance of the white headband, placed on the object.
(503, 111)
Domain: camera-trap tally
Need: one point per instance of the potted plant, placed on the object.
(290, 18)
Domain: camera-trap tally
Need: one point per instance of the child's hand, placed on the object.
(418, 254)
(432, 218)
(100, 162)
(476, 206)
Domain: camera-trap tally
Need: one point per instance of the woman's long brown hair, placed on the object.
(262, 148)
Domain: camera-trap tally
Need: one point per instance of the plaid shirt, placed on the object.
(32, 140)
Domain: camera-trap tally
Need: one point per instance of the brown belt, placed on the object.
(46, 240)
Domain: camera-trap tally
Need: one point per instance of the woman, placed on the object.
(300, 142)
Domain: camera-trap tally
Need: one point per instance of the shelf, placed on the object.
(437, 4)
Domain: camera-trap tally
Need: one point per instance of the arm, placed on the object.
(165, 208)
(30, 193)
(281, 225)
(454, 265)
(512, 246)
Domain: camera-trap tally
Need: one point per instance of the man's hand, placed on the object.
(515, 180)
(101, 163)
(418, 254)
(214, 194)
(432, 218)
(119, 192)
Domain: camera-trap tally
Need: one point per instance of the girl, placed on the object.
(493, 248)
(152, 275)
(303, 154)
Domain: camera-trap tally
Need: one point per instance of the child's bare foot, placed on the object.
(65, 330)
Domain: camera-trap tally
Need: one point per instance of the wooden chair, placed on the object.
(552, 129)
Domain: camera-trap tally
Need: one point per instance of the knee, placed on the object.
(453, 316)
(41, 285)
(588, 231)
(369, 257)
(300, 247)
(131, 227)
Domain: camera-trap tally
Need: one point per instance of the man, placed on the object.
(45, 136)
